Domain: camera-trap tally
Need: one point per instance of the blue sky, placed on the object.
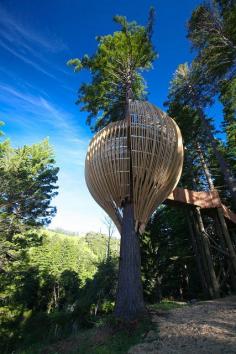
(38, 91)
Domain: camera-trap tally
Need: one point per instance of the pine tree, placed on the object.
(212, 32)
(188, 89)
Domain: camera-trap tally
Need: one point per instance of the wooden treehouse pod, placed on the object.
(142, 155)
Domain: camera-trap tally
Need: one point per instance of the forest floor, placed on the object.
(207, 327)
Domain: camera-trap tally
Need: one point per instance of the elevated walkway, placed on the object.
(205, 200)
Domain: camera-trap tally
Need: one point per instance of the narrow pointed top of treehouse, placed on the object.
(153, 167)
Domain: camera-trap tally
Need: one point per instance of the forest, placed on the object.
(53, 283)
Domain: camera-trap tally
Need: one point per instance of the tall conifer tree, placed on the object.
(116, 69)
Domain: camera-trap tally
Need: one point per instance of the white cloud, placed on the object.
(17, 32)
(81, 220)
(31, 114)
(42, 108)
(26, 59)
(30, 46)
(74, 203)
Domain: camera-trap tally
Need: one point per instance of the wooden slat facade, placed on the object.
(156, 161)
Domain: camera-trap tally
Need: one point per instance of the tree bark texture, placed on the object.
(205, 168)
(206, 251)
(205, 255)
(129, 299)
(227, 237)
(220, 233)
(197, 255)
(202, 257)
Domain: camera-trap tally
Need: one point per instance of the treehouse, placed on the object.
(138, 158)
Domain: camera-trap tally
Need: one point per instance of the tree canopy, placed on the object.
(212, 32)
(27, 185)
(116, 69)
(28, 179)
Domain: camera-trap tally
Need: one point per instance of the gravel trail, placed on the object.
(204, 328)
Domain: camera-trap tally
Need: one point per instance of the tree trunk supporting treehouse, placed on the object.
(129, 299)
(131, 167)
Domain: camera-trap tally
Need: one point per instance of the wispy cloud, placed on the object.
(26, 60)
(17, 31)
(34, 113)
(29, 46)
(41, 109)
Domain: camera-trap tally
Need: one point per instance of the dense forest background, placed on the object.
(61, 283)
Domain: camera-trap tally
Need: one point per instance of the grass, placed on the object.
(118, 342)
(168, 305)
(108, 338)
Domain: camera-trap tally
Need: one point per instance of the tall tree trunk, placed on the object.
(205, 243)
(233, 232)
(197, 255)
(224, 167)
(108, 247)
(205, 168)
(227, 239)
(203, 256)
(220, 232)
(129, 298)
(220, 224)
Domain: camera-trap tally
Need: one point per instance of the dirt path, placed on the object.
(204, 328)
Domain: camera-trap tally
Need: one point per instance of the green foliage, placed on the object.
(116, 70)
(1, 124)
(100, 291)
(188, 87)
(59, 284)
(168, 265)
(98, 243)
(118, 342)
(27, 185)
(108, 337)
(53, 286)
(228, 99)
(28, 179)
(167, 305)
(44, 276)
(211, 30)
(188, 96)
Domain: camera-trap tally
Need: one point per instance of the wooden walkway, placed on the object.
(205, 200)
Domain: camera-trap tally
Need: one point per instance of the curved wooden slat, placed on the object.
(156, 158)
